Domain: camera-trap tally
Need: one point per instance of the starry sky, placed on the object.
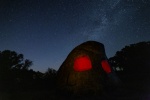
(45, 31)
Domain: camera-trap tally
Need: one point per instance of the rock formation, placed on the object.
(85, 70)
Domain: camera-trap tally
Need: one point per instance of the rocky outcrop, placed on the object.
(82, 72)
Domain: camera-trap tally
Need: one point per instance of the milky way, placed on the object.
(45, 31)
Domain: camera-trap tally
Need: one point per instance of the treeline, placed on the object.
(16, 74)
(132, 63)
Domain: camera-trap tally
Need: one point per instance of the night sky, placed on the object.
(45, 31)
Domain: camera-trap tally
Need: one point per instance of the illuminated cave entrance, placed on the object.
(84, 70)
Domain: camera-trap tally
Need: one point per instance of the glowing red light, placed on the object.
(82, 63)
(106, 66)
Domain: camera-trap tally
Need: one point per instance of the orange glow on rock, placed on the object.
(106, 66)
(82, 63)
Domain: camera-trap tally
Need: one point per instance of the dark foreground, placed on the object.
(126, 92)
(132, 88)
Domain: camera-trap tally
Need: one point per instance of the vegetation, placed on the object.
(18, 79)
(132, 61)
(132, 64)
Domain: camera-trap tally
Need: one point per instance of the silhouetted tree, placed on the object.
(50, 75)
(13, 68)
(27, 64)
(133, 60)
(10, 59)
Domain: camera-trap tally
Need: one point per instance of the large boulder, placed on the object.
(85, 70)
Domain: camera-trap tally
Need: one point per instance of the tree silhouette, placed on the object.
(133, 60)
(50, 72)
(10, 59)
(27, 64)
(50, 76)
(13, 68)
